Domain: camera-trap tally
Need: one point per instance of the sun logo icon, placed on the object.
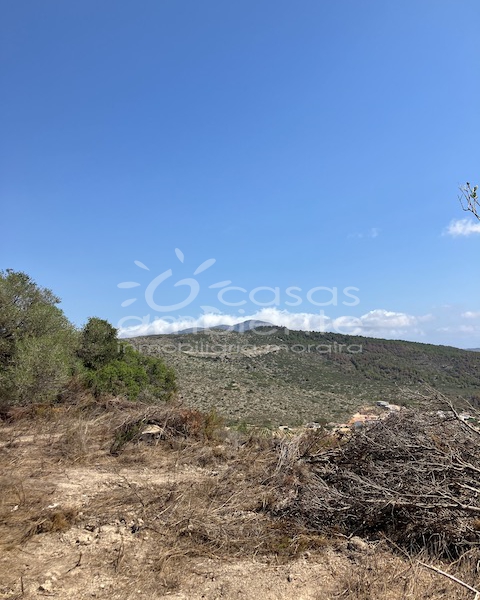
(190, 282)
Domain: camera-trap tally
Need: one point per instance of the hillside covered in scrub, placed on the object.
(262, 376)
(277, 376)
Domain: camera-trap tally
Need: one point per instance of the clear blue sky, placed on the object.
(309, 144)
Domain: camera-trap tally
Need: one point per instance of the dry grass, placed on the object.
(219, 515)
(156, 515)
(389, 576)
(25, 511)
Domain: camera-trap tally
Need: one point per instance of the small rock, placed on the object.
(47, 586)
(84, 539)
(151, 433)
(356, 543)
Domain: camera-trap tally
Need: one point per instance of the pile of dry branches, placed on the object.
(172, 421)
(414, 478)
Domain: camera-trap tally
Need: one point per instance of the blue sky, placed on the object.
(311, 145)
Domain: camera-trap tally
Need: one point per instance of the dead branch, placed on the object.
(451, 577)
(412, 477)
(469, 199)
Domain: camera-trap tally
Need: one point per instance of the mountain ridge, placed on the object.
(241, 327)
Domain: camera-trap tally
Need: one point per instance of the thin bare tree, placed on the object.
(469, 199)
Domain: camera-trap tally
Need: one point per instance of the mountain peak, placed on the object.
(238, 327)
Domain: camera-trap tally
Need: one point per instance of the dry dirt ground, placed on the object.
(167, 520)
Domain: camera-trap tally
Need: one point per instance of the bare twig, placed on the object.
(410, 474)
(77, 564)
(452, 577)
(469, 199)
(118, 559)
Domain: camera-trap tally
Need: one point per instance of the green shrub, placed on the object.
(99, 344)
(118, 378)
(41, 351)
(161, 379)
(37, 342)
(130, 374)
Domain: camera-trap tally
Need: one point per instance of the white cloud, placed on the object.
(381, 323)
(462, 227)
(281, 318)
(371, 233)
(471, 315)
(469, 329)
(376, 323)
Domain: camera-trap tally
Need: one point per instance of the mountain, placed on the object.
(276, 376)
(249, 325)
(238, 327)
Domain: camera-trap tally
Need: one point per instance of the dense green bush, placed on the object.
(114, 367)
(42, 368)
(161, 379)
(40, 351)
(37, 342)
(99, 344)
(118, 378)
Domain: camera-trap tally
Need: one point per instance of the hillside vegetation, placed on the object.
(43, 357)
(278, 376)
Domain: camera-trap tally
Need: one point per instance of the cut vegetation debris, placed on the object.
(412, 478)
(197, 510)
